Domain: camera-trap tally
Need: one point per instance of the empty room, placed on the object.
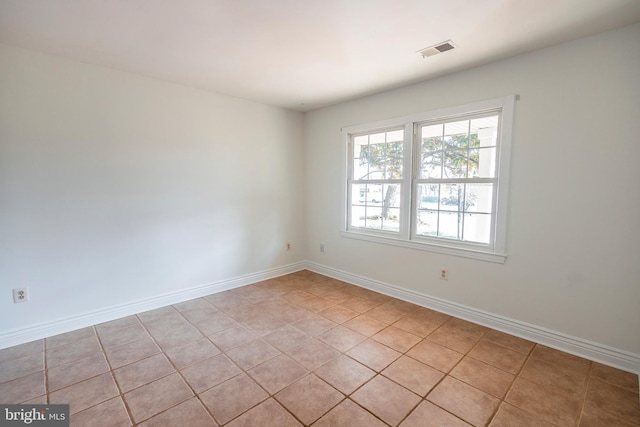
(320, 213)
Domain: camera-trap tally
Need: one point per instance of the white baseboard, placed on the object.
(577, 346)
(68, 324)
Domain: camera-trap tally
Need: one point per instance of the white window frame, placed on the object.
(495, 251)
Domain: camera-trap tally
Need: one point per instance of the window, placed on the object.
(435, 181)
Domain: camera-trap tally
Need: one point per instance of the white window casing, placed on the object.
(458, 156)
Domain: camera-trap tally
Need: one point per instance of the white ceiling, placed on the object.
(300, 54)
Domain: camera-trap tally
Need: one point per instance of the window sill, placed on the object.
(430, 247)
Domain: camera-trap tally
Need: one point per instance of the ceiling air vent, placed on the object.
(436, 49)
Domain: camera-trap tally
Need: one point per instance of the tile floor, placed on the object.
(304, 349)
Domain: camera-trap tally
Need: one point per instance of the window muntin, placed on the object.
(452, 180)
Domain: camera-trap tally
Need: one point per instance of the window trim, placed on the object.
(406, 238)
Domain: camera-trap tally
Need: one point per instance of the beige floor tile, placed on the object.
(233, 397)
(252, 353)
(348, 414)
(188, 413)
(309, 398)
(21, 366)
(316, 304)
(417, 325)
(314, 325)
(23, 389)
(466, 327)
(498, 356)
(69, 337)
(397, 339)
(116, 337)
(230, 338)
(267, 414)
(264, 324)
(453, 338)
(373, 354)
(560, 359)
(86, 394)
(338, 314)
(142, 372)
(342, 338)
(191, 353)
(210, 372)
(414, 375)
(484, 377)
(386, 313)
(204, 314)
(613, 400)
(509, 341)
(429, 415)
(286, 338)
(546, 403)
(510, 416)
(132, 352)
(345, 374)
(122, 322)
(468, 403)
(616, 377)
(74, 350)
(359, 305)
(21, 350)
(593, 417)
(178, 336)
(386, 399)
(158, 396)
(566, 381)
(313, 353)
(80, 370)
(365, 325)
(297, 296)
(217, 323)
(435, 355)
(277, 373)
(112, 413)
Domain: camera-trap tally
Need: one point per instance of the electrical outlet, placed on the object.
(321, 247)
(444, 274)
(20, 295)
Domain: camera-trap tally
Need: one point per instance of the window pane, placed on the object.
(391, 221)
(395, 135)
(450, 225)
(484, 132)
(428, 196)
(451, 197)
(373, 218)
(456, 134)
(427, 223)
(477, 228)
(479, 198)
(390, 196)
(455, 164)
(482, 163)
(432, 131)
(358, 194)
(358, 216)
(360, 169)
(431, 166)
